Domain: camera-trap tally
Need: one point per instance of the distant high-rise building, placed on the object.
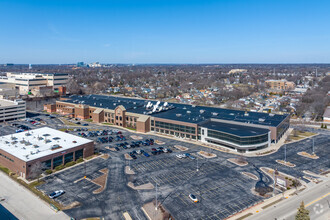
(30, 66)
(81, 64)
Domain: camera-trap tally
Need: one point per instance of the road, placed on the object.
(316, 199)
(23, 203)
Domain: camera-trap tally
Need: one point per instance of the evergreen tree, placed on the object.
(325, 126)
(302, 213)
(321, 125)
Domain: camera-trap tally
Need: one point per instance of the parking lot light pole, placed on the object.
(156, 198)
(197, 164)
(313, 147)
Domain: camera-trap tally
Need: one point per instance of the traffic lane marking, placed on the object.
(318, 199)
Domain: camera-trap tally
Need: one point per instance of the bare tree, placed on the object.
(36, 170)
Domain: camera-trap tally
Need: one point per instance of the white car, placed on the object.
(193, 198)
(56, 194)
(180, 156)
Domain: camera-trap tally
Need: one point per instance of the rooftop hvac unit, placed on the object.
(271, 114)
(166, 104)
(188, 112)
(178, 115)
(246, 114)
(201, 111)
(261, 119)
(193, 106)
(214, 113)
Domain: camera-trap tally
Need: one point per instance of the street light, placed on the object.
(156, 197)
(197, 164)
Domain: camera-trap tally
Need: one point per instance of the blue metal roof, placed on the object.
(238, 130)
(179, 112)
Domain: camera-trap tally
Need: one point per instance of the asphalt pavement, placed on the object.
(316, 199)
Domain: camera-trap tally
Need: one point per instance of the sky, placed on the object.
(164, 31)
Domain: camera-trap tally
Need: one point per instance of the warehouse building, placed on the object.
(217, 126)
(12, 110)
(19, 151)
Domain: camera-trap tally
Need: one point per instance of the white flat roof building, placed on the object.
(52, 148)
(41, 142)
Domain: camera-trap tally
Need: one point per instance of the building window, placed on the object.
(68, 157)
(79, 154)
(57, 161)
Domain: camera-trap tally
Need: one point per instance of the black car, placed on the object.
(133, 156)
(117, 149)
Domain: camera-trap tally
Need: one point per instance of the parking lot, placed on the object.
(218, 184)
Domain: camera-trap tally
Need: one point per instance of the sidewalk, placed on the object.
(23, 203)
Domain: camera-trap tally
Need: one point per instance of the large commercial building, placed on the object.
(18, 152)
(27, 83)
(280, 85)
(12, 110)
(239, 130)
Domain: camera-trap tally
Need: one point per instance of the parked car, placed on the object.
(56, 194)
(117, 149)
(193, 198)
(146, 154)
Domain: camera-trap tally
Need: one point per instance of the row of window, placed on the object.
(57, 161)
(177, 134)
(8, 158)
(238, 140)
(175, 127)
